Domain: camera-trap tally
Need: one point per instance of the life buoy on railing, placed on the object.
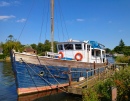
(61, 55)
(78, 56)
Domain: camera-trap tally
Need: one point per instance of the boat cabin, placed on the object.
(84, 51)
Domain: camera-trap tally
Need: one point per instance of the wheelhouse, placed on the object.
(84, 51)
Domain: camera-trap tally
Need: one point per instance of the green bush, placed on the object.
(122, 59)
(2, 56)
(102, 90)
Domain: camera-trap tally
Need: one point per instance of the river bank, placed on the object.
(7, 59)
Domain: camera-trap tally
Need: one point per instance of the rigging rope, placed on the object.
(27, 19)
(62, 17)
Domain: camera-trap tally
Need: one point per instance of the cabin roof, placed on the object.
(94, 44)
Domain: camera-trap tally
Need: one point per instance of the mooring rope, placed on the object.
(50, 84)
(37, 73)
(51, 74)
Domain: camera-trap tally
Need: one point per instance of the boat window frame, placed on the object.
(61, 46)
(92, 52)
(69, 46)
(78, 46)
(88, 47)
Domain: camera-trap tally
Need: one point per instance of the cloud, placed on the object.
(80, 20)
(6, 17)
(3, 3)
(21, 20)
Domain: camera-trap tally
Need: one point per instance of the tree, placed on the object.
(47, 46)
(121, 43)
(40, 48)
(10, 37)
(34, 46)
(11, 44)
(120, 48)
(108, 50)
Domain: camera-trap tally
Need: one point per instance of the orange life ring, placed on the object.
(78, 56)
(61, 55)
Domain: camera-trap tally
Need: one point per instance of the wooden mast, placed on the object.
(52, 25)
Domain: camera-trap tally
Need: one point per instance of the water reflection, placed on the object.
(7, 83)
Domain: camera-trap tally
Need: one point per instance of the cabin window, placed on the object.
(78, 46)
(92, 52)
(97, 53)
(68, 46)
(88, 47)
(84, 46)
(60, 47)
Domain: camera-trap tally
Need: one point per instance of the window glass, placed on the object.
(78, 46)
(92, 52)
(97, 53)
(84, 46)
(68, 46)
(88, 47)
(60, 47)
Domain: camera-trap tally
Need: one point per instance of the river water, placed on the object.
(8, 88)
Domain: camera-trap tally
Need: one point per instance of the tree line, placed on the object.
(120, 49)
(12, 43)
(41, 48)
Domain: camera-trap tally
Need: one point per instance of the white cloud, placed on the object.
(80, 20)
(21, 20)
(6, 17)
(3, 3)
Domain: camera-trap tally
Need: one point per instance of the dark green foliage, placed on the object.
(2, 56)
(122, 49)
(34, 46)
(108, 50)
(121, 43)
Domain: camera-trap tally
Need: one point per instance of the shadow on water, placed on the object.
(8, 89)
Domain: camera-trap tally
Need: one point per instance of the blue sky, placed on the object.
(105, 21)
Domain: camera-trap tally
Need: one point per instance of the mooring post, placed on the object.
(114, 93)
(69, 74)
(94, 68)
(87, 79)
(98, 74)
(107, 62)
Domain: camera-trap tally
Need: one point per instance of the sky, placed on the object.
(104, 21)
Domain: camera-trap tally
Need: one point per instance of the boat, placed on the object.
(74, 58)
